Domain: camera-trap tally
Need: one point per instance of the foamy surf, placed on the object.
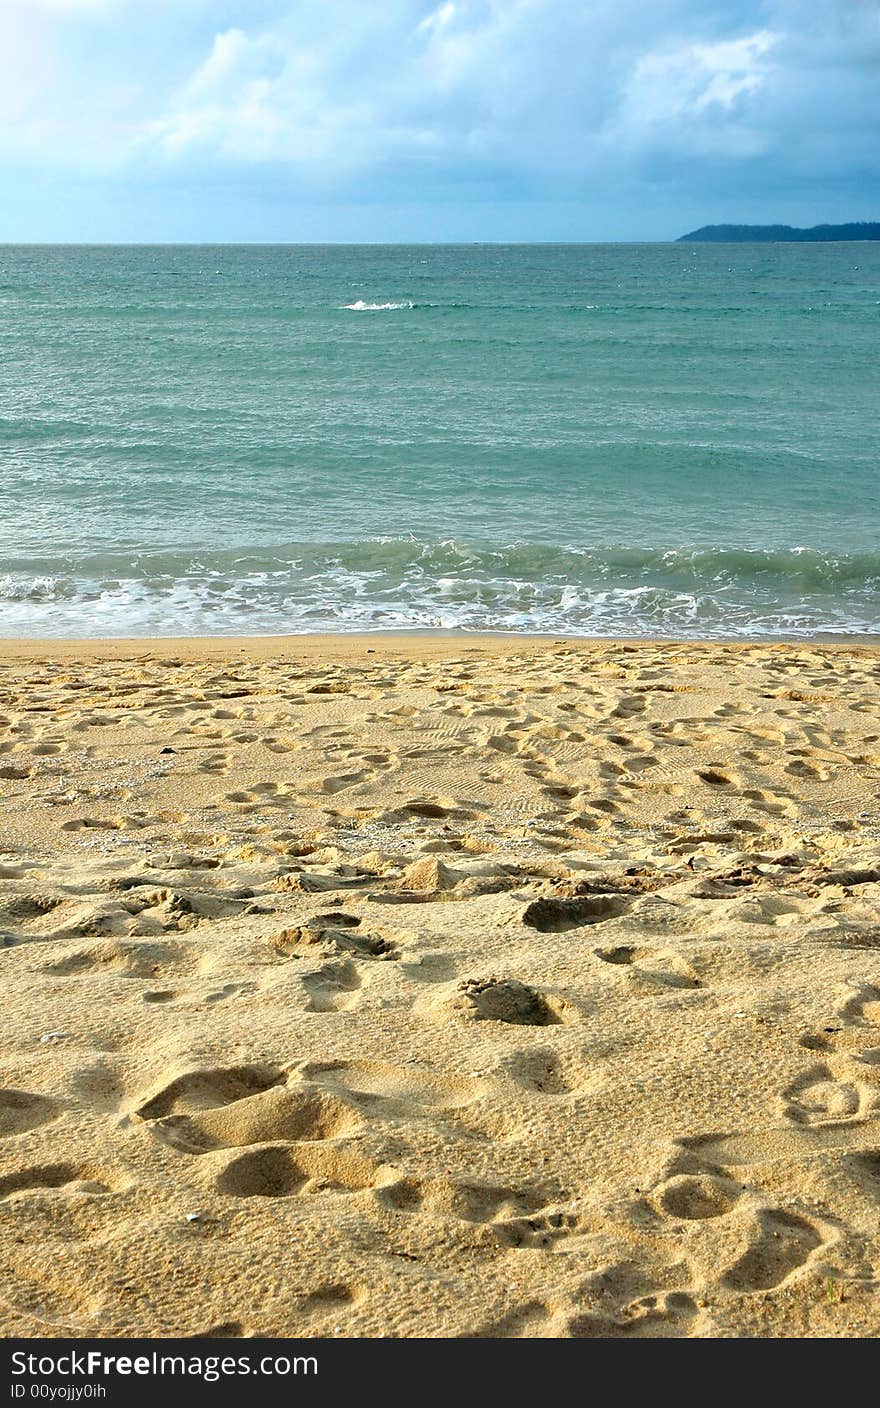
(361, 307)
(407, 584)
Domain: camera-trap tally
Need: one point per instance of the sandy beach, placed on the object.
(439, 987)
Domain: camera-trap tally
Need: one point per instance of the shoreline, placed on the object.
(427, 643)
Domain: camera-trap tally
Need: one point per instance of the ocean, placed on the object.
(668, 440)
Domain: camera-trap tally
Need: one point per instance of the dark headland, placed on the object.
(770, 234)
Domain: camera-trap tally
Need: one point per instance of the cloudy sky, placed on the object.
(411, 120)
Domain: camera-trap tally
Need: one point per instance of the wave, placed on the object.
(361, 307)
(457, 306)
(405, 583)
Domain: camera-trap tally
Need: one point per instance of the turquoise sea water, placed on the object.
(663, 440)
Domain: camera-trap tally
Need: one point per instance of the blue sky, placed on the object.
(410, 120)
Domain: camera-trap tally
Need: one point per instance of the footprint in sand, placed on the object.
(296, 1170)
(637, 1298)
(16, 772)
(207, 1088)
(664, 1315)
(779, 1243)
(218, 762)
(70, 1209)
(554, 916)
(541, 1231)
(630, 707)
(341, 782)
(336, 933)
(172, 861)
(244, 1110)
(21, 1110)
(606, 805)
(50, 747)
(63, 1177)
(611, 771)
(766, 909)
(542, 1071)
(773, 804)
(441, 808)
(313, 882)
(502, 1205)
(391, 1092)
(331, 1298)
(861, 1005)
(192, 997)
(718, 777)
(818, 1098)
(728, 711)
(129, 960)
(646, 761)
(695, 1197)
(656, 968)
(260, 796)
(810, 772)
(228, 990)
(95, 823)
(534, 1319)
(334, 987)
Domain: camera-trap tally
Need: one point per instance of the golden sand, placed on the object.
(430, 987)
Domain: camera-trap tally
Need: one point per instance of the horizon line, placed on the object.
(305, 244)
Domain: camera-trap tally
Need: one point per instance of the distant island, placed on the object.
(770, 234)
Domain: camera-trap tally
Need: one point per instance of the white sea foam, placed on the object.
(402, 583)
(361, 307)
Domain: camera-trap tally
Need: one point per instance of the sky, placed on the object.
(408, 120)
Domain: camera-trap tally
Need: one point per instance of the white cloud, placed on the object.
(438, 19)
(538, 94)
(379, 80)
(695, 98)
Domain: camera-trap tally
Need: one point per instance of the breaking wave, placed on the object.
(403, 583)
(361, 307)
